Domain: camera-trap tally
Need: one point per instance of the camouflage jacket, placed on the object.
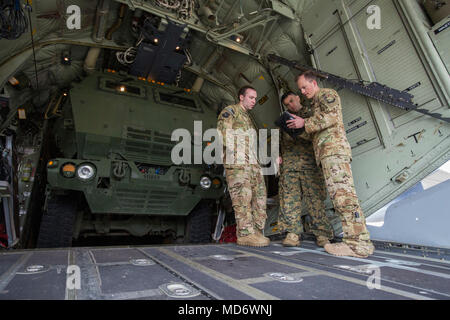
(327, 127)
(235, 117)
(298, 153)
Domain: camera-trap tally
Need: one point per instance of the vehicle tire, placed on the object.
(198, 229)
(57, 223)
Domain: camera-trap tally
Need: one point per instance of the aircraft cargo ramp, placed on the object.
(224, 272)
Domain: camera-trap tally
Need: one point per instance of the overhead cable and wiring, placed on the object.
(188, 63)
(29, 9)
(183, 8)
(128, 56)
(13, 22)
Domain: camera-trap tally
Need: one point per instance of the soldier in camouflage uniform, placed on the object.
(244, 176)
(301, 181)
(333, 153)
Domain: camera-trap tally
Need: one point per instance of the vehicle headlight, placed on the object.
(52, 164)
(86, 171)
(68, 170)
(205, 182)
(217, 183)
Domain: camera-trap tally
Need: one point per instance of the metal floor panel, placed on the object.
(312, 288)
(222, 272)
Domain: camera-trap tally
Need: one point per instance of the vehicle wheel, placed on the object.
(198, 229)
(57, 223)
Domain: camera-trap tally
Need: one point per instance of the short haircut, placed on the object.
(308, 75)
(243, 91)
(285, 95)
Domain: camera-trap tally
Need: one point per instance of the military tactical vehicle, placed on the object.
(115, 172)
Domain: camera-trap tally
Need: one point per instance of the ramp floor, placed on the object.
(224, 272)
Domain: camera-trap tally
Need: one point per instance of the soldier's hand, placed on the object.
(296, 123)
(279, 160)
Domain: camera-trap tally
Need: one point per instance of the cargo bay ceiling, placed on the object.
(229, 41)
(264, 27)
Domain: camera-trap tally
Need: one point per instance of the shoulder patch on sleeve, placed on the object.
(230, 110)
(328, 97)
(227, 112)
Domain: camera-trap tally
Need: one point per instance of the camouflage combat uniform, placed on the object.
(301, 181)
(333, 153)
(245, 180)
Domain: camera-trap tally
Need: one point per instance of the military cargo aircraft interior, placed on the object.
(111, 166)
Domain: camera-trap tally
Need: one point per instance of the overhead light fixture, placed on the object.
(237, 38)
(156, 40)
(65, 57)
(22, 113)
(65, 92)
(13, 81)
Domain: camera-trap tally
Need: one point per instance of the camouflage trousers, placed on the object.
(339, 181)
(298, 188)
(249, 197)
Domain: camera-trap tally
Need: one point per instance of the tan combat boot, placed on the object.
(291, 240)
(252, 240)
(365, 249)
(260, 235)
(321, 241)
(341, 250)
